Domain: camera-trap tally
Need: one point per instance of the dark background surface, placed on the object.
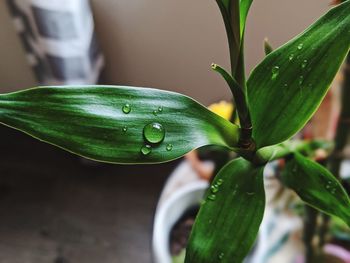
(55, 209)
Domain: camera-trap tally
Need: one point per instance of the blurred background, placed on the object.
(54, 207)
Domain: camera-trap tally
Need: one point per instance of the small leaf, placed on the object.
(317, 186)
(116, 124)
(244, 9)
(287, 87)
(228, 222)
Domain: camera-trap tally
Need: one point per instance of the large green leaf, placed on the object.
(317, 186)
(228, 221)
(287, 87)
(90, 121)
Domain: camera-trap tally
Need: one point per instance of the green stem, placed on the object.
(309, 232)
(341, 136)
(230, 11)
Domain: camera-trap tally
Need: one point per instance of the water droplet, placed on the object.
(125, 129)
(126, 108)
(301, 80)
(219, 182)
(285, 85)
(304, 64)
(160, 109)
(291, 57)
(221, 256)
(154, 132)
(214, 189)
(169, 147)
(300, 46)
(155, 112)
(275, 72)
(333, 191)
(310, 85)
(146, 149)
(212, 197)
(250, 193)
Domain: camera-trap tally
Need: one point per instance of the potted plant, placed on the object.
(137, 125)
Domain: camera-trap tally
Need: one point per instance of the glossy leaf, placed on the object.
(90, 122)
(317, 186)
(228, 221)
(244, 9)
(287, 87)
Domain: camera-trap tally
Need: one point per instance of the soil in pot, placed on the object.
(180, 234)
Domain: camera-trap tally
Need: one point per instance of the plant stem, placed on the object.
(231, 16)
(341, 136)
(309, 232)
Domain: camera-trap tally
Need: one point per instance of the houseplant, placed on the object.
(134, 125)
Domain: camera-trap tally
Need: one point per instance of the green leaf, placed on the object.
(90, 122)
(317, 186)
(244, 9)
(287, 87)
(228, 222)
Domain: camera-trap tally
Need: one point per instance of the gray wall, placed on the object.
(168, 44)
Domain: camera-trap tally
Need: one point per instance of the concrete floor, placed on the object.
(54, 209)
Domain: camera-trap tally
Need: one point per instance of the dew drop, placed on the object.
(220, 182)
(154, 132)
(300, 46)
(146, 149)
(212, 197)
(275, 72)
(291, 57)
(285, 85)
(304, 64)
(301, 80)
(214, 189)
(160, 109)
(155, 112)
(169, 147)
(126, 108)
(221, 256)
(125, 129)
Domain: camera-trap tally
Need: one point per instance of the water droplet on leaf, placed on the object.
(291, 57)
(154, 132)
(301, 80)
(169, 147)
(146, 149)
(221, 256)
(219, 182)
(126, 108)
(304, 64)
(160, 109)
(275, 72)
(214, 189)
(212, 197)
(300, 46)
(125, 129)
